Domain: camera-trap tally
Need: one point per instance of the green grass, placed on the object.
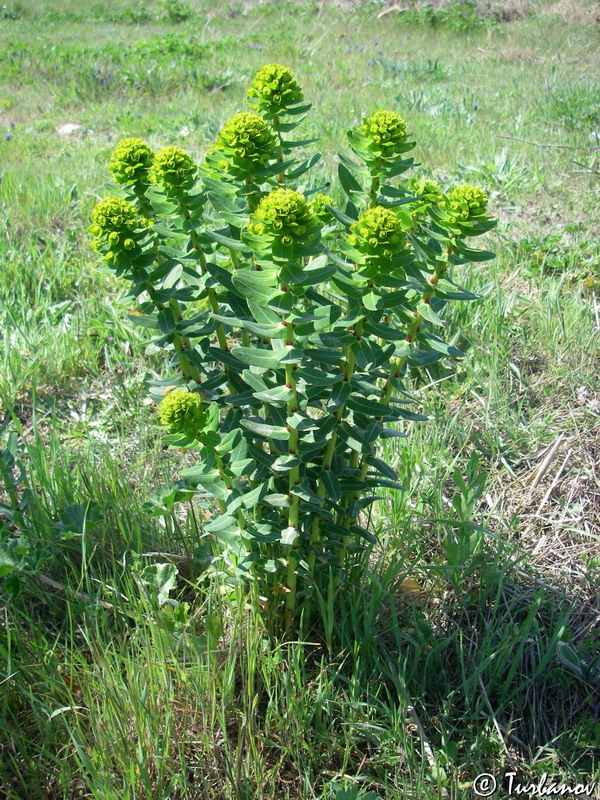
(106, 695)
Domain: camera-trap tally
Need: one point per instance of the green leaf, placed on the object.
(435, 343)
(254, 496)
(353, 438)
(79, 518)
(13, 554)
(304, 492)
(265, 331)
(383, 331)
(427, 312)
(332, 357)
(242, 467)
(289, 536)
(227, 241)
(349, 183)
(339, 395)
(285, 463)
(144, 320)
(161, 204)
(302, 423)
(317, 377)
(220, 523)
(288, 144)
(226, 358)
(221, 276)
(278, 395)
(211, 481)
(316, 272)
(339, 338)
(277, 500)
(340, 216)
(228, 210)
(448, 290)
(370, 407)
(257, 287)
(170, 233)
(569, 658)
(255, 357)
(299, 109)
(358, 142)
(166, 321)
(332, 485)
(291, 274)
(263, 315)
(265, 430)
(468, 254)
(383, 468)
(181, 256)
(304, 167)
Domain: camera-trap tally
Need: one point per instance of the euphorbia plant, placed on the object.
(288, 325)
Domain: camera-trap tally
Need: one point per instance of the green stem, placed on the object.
(330, 449)
(212, 295)
(395, 372)
(375, 183)
(398, 363)
(280, 176)
(230, 485)
(190, 371)
(374, 190)
(294, 480)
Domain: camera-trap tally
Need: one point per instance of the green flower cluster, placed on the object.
(131, 161)
(174, 169)
(247, 135)
(318, 207)
(465, 204)
(425, 186)
(182, 412)
(377, 232)
(274, 89)
(386, 131)
(285, 215)
(430, 194)
(115, 227)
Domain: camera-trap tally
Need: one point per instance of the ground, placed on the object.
(472, 646)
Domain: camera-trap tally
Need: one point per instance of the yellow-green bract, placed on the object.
(386, 130)
(283, 214)
(248, 136)
(465, 203)
(318, 206)
(173, 168)
(378, 231)
(181, 412)
(114, 224)
(131, 161)
(274, 89)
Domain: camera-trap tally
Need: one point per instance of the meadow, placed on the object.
(473, 647)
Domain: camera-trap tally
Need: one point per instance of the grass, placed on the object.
(445, 664)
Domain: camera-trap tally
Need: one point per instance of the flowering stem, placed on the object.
(374, 190)
(190, 371)
(395, 372)
(280, 176)
(398, 363)
(330, 449)
(212, 296)
(375, 183)
(230, 485)
(294, 480)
